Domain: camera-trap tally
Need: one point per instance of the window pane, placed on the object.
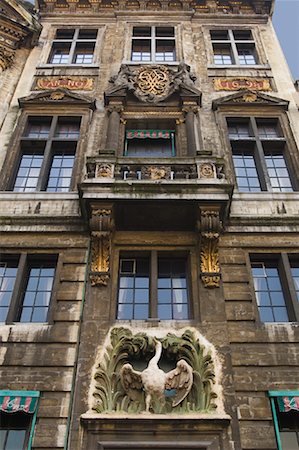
(165, 51)
(149, 147)
(172, 274)
(219, 35)
(222, 54)
(15, 440)
(133, 292)
(246, 55)
(38, 127)
(83, 53)
(60, 53)
(141, 50)
(37, 294)
(278, 173)
(142, 31)
(269, 294)
(61, 173)
(165, 31)
(246, 172)
(28, 173)
(295, 275)
(68, 128)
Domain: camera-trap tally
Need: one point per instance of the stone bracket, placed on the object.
(210, 227)
(102, 225)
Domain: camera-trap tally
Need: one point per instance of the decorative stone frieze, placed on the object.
(210, 229)
(199, 6)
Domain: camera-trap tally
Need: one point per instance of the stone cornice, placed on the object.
(18, 28)
(243, 7)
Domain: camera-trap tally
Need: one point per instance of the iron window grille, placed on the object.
(47, 154)
(153, 287)
(26, 287)
(233, 47)
(285, 411)
(259, 155)
(150, 143)
(73, 46)
(153, 44)
(276, 285)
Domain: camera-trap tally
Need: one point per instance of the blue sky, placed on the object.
(286, 24)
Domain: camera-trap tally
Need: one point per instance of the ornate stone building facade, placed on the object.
(149, 275)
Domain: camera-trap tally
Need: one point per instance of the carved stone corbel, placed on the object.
(102, 225)
(210, 228)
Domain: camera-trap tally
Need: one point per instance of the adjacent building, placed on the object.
(149, 274)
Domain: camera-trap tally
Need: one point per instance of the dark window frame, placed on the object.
(153, 256)
(234, 46)
(259, 149)
(24, 262)
(153, 40)
(73, 43)
(283, 262)
(48, 146)
(274, 396)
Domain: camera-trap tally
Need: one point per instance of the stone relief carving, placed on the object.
(153, 83)
(102, 224)
(185, 385)
(210, 228)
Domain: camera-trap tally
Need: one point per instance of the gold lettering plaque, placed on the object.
(236, 84)
(71, 83)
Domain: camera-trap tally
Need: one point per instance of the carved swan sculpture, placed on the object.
(155, 382)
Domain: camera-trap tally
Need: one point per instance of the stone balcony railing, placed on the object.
(151, 170)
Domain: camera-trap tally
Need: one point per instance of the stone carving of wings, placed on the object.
(180, 380)
(131, 381)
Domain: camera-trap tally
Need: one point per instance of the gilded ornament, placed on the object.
(207, 171)
(57, 96)
(153, 81)
(105, 171)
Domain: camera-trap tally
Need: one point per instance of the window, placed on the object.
(26, 284)
(285, 410)
(153, 44)
(276, 285)
(17, 419)
(259, 155)
(155, 143)
(150, 139)
(47, 154)
(73, 46)
(153, 286)
(233, 47)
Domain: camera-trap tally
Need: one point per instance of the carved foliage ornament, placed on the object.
(101, 223)
(186, 382)
(153, 81)
(210, 228)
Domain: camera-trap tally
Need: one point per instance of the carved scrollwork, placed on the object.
(210, 228)
(102, 224)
